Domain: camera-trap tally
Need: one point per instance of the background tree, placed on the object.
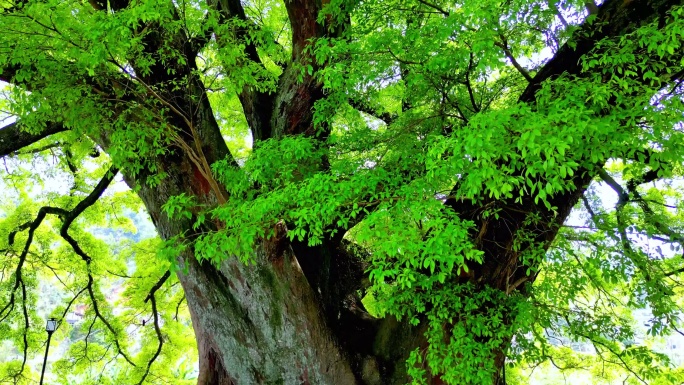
(401, 152)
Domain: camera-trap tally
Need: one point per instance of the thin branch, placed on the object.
(38, 149)
(98, 315)
(107, 363)
(155, 313)
(503, 44)
(71, 302)
(68, 218)
(561, 17)
(32, 226)
(648, 177)
(54, 272)
(26, 325)
(616, 354)
(402, 61)
(366, 109)
(435, 7)
(123, 275)
(621, 227)
(158, 285)
(674, 272)
(175, 317)
(85, 339)
(517, 283)
(590, 210)
(471, 94)
(625, 197)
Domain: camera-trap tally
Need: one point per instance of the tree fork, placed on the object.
(267, 322)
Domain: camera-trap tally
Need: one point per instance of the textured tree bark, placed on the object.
(255, 324)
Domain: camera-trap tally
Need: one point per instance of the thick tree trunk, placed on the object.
(268, 322)
(255, 323)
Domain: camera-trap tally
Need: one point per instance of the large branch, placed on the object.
(232, 9)
(366, 108)
(299, 90)
(257, 105)
(12, 138)
(303, 16)
(615, 18)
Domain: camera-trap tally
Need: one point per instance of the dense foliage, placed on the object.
(431, 147)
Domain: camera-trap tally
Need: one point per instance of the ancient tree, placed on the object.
(348, 192)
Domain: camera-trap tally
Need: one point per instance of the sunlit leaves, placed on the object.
(420, 99)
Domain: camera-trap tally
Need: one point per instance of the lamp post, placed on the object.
(50, 328)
